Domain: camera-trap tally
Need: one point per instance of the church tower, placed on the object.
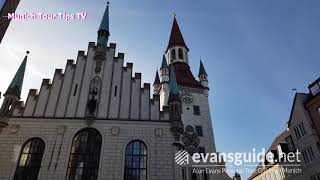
(193, 102)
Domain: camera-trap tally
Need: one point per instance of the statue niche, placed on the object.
(94, 95)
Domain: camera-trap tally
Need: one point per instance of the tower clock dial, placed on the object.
(186, 96)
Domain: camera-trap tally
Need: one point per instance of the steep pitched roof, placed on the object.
(302, 97)
(103, 32)
(104, 25)
(185, 77)
(202, 70)
(164, 64)
(156, 79)
(17, 82)
(176, 38)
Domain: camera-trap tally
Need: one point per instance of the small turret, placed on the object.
(164, 75)
(103, 32)
(156, 84)
(203, 77)
(164, 70)
(174, 103)
(13, 92)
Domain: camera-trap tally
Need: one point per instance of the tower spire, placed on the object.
(156, 79)
(17, 82)
(176, 38)
(164, 64)
(103, 32)
(202, 70)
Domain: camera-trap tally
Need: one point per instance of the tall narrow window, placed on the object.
(30, 159)
(199, 131)
(180, 53)
(115, 91)
(85, 155)
(196, 110)
(75, 90)
(135, 161)
(173, 54)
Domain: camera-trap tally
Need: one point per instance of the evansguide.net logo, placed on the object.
(182, 157)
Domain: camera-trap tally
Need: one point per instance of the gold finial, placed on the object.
(108, 2)
(28, 52)
(174, 15)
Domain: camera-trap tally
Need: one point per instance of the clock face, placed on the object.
(186, 96)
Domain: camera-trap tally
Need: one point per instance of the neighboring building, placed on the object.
(6, 6)
(313, 104)
(304, 136)
(95, 121)
(277, 170)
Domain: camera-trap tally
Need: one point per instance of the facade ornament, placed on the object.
(93, 97)
(115, 131)
(14, 128)
(190, 140)
(159, 132)
(61, 129)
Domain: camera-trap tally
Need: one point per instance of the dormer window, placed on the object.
(315, 88)
(180, 53)
(173, 54)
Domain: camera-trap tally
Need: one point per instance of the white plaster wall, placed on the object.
(65, 91)
(135, 99)
(154, 110)
(77, 81)
(145, 105)
(54, 94)
(116, 82)
(85, 85)
(30, 104)
(125, 94)
(204, 120)
(164, 95)
(106, 84)
(42, 101)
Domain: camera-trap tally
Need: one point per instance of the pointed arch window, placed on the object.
(30, 159)
(180, 53)
(85, 155)
(173, 54)
(135, 161)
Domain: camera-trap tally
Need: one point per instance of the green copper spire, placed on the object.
(202, 71)
(174, 90)
(16, 83)
(164, 64)
(103, 32)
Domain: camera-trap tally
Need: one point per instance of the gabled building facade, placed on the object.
(303, 134)
(95, 121)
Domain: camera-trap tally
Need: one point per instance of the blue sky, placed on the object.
(1, 3)
(255, 52)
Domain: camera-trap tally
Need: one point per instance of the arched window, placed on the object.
(173, 54)
(85, 155)
(180, 53)
(136, 161)
(30, 159)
